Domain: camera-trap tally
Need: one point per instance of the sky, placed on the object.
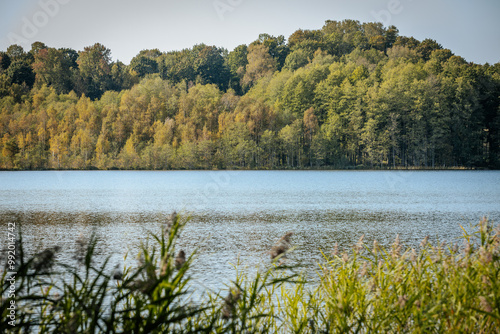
(469, 28)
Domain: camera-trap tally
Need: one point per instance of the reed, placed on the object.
(434, 288)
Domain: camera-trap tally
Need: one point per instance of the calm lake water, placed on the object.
(240, 214)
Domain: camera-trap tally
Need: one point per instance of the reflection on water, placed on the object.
(241, 214)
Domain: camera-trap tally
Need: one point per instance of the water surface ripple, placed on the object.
(240, 214)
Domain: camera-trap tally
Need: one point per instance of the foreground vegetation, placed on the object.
(347, 95)
(369, 289)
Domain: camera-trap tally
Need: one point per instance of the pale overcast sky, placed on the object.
(470, 28)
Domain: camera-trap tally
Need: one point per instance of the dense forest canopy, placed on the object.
(348, 95)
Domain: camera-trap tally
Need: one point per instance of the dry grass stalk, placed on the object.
(468, 248)
(335, 250)
(402, 301)
(359, 245)
(180, 259)
(281, 246)
(164, 264)
(363, 270)
(230, 301)
(396, 248)
(376, 247)
(485, 306)
(423, 243)
(413, 255)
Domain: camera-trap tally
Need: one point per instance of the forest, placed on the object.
(347, 95)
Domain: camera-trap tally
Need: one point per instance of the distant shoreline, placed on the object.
(266, 169)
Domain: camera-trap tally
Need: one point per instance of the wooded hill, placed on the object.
(348, 95)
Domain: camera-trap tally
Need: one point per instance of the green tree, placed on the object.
(300, 38)
(236, 61)
(260, 64)
(178, 66)
(10, 148)
(291, 139)
(4, 61)
(297, 59)
(129, 157)
(121, 78)
(426, 47)
(270, 149)
(209, 65)
(276, 47)
(94, 64)
(143, 65)
(16, 52)
(37, 47)
(311, 126)
(70, 57)
(82, 147)
(53, 69)
(19, 72)
(409, 42)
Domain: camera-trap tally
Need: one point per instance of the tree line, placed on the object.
(348, 95)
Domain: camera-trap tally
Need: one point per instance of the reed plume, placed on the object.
(230, 301)
(180, 259)
(281, 246)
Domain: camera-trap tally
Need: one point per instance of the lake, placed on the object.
(240, 214)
